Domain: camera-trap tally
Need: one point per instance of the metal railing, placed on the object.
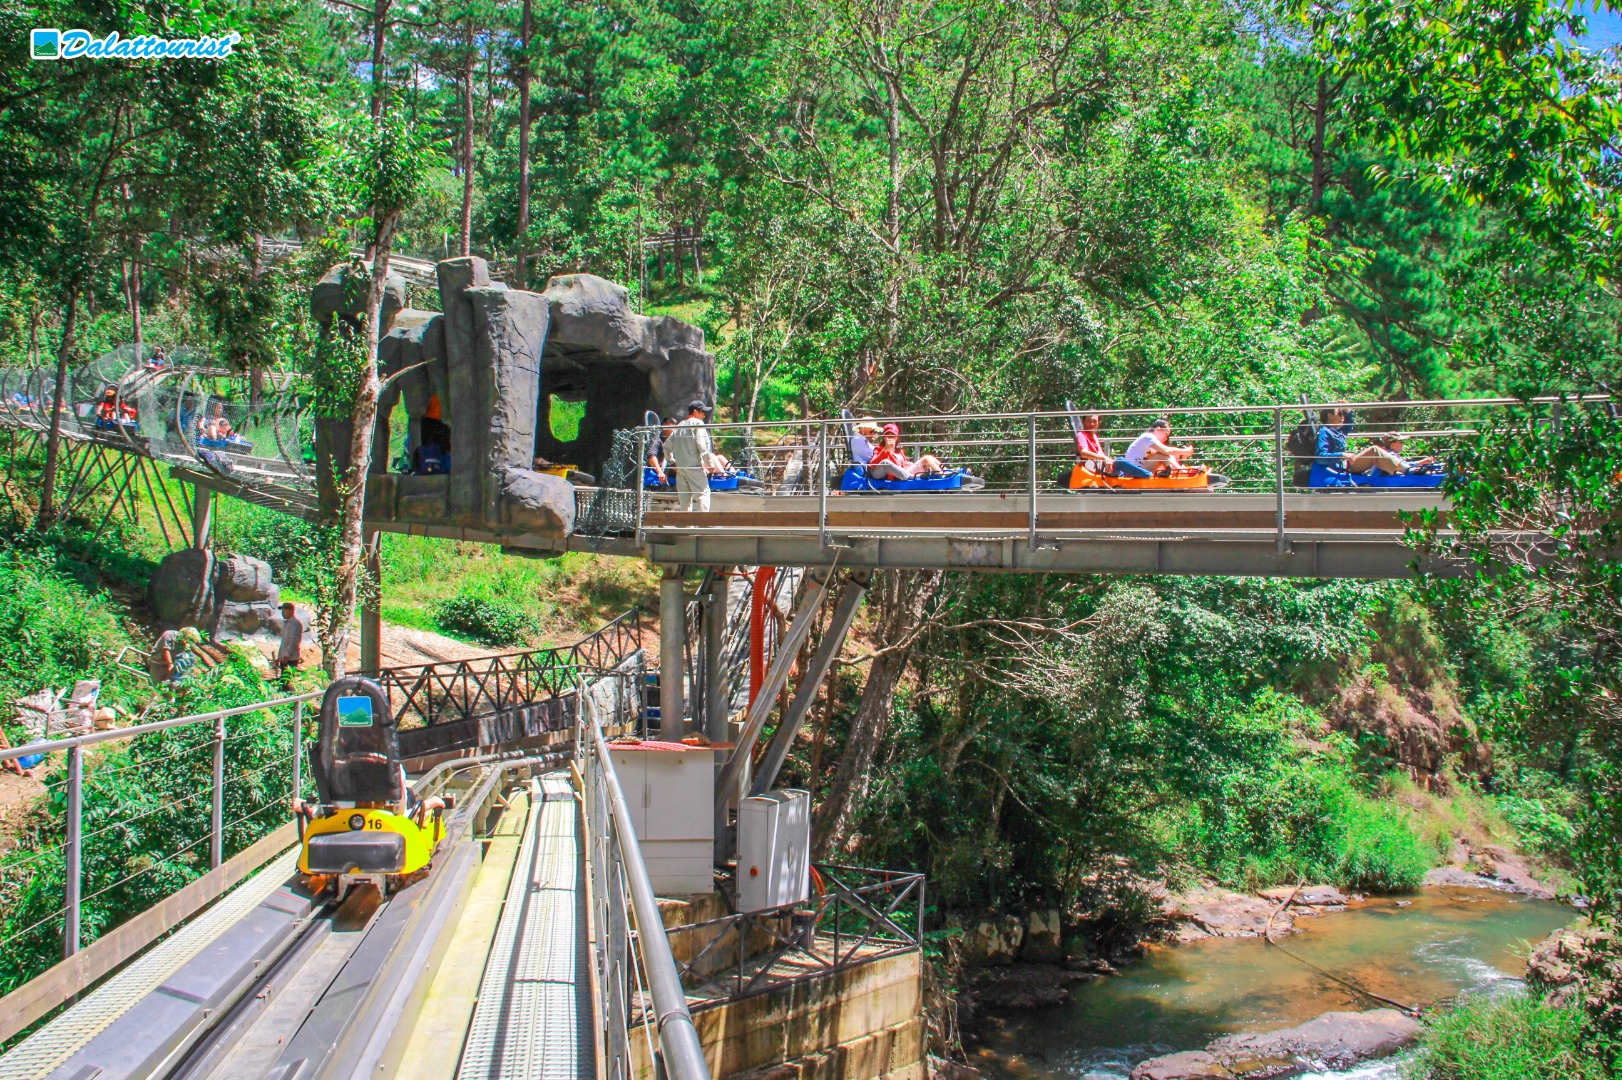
(857, 916)
(631, 953)
(1031, 455)
(242, 805)
(426, 695)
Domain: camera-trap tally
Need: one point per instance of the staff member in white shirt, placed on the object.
(689, 448)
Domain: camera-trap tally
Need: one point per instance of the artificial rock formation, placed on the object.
(226, 598)
(482, 374)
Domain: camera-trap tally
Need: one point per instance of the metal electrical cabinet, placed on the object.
(774, 849)
(670, 790)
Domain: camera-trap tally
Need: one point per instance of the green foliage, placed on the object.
(59, 631)
(485, 615)
(1508, 1037)
(1278, 817)
(146, 817)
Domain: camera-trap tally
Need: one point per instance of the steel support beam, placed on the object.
(729, 786)
(715, 625)
(1307, 557)
(850, 601)
(672, 654)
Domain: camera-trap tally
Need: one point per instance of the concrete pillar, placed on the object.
(371, 613)
(202, 516)
(672, 662)
(715, 625)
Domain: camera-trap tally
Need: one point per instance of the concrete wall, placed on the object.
(861, 1023)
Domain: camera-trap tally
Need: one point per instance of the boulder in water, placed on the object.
(1335, 1040)
(1189, 1065)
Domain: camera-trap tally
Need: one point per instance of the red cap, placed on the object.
(891, 429)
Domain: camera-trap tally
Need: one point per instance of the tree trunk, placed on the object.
(53, 441)
(380, 29)
(133, 285)
(524, 32)
(904, 597)
(352, 495)
(465, 238)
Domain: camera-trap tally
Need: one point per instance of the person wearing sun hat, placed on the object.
(861, 444)
(689, 447)
(890, 461)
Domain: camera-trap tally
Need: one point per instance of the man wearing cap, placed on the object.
(689, 447)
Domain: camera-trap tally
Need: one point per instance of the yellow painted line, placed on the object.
(435, 1047)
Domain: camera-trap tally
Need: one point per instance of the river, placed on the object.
(1418, 949)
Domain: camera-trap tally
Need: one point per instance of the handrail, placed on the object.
(681, 1049)
(1576, 397)
(51, 746)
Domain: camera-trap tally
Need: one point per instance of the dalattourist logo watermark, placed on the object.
(50, 44)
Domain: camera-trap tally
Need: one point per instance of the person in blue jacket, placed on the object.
(1333, 452)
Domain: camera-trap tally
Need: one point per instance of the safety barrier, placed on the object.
(1032, 455)
(857, 915)
(244, 803)
(631, 953)
(429, 695)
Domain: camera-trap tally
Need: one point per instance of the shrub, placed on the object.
(1514, 1037)
(485, 615)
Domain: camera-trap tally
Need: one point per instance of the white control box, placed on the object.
(671, 796)
(774, 849)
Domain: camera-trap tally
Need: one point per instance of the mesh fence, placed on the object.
(611, 510)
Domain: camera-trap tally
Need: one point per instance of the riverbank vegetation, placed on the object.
(1509, 1037)
(921, 207)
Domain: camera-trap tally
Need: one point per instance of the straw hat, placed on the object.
(868, 426)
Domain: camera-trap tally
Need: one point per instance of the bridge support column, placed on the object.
(371, 612)
(672, 654)
(850, 601)
(202, 517)
(715, 625)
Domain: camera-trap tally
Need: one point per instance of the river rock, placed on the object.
(1511, 871)
(1308, 896)
(1223, 913)
(993, 941)
(1335, 1040)
(1513, 878)
(1189, 1065)
(1043, 938)
(1025, 986)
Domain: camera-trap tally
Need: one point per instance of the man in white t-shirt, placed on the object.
(689, 448)
(1153, 451)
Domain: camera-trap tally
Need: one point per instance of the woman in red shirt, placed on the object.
(890, 461)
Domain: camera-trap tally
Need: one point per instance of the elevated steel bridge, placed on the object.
(216, 434)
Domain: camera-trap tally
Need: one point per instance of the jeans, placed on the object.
(1123, 467)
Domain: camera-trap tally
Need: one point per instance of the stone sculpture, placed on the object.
(482, 374)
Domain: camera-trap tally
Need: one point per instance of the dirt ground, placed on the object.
(17, 794)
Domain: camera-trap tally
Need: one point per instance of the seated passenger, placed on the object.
(658, 458)
(1393, 445)
(107, 409)
(1091, 451)
(717, 464)
(1151, 454)
(861, 443)
(1333, 454)
(890, 461)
